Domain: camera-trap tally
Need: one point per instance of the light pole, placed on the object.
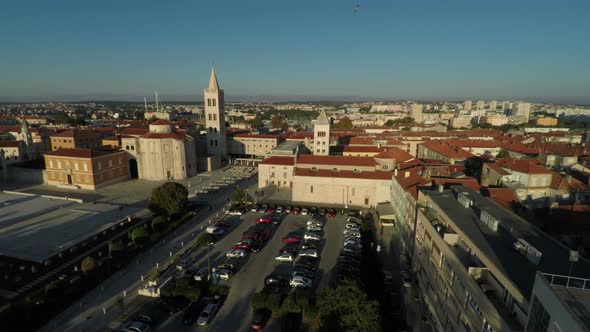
(209, 257)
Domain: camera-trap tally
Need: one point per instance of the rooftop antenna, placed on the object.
(157, 104)
(145, 103)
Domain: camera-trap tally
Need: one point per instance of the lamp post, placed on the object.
(209, 257)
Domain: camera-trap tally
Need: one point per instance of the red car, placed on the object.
(244, 244)
(296, 211)
(331, 213)
(253, 236)
(270, 209)
(265, 220)
(291, 239)
(261, 316)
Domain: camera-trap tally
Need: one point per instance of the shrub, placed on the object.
(116, 246)
(290, 305)
(88, 264)
(159, 224)
(139, 236)
(273, 302)
(219, 290)
(259, 300)
(204, 239)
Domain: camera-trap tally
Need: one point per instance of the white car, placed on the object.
(214, 230)
(313, 228)
(353, 234)
(352, 243)
(352, 230)
(312, 236)
(304, 211)
(300, 282)
(236, 254)
(224, 274)
(354, 220)
(235, 212)
(350, 225)
(279, 209)
(314, 222)
(284, 258)
(309, 253)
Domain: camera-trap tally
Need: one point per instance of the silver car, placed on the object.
(351, 233)
(207, 314)
(312, 236)
(309, 253)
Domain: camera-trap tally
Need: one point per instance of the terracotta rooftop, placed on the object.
(368, 175)
(466, 181)
(443, 148)
(160, 122)
(410, 182)
(527, 166)
(10, 129)
(131, 131)
(561, 182)
(395, 153)
(82, 153)
(505, 197)
(11, 144)
(277, 160)
(176, 135)
(75, 133)
(336, 160)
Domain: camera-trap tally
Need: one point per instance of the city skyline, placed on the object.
(297, 51)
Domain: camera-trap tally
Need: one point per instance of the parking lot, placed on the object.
(236, 312)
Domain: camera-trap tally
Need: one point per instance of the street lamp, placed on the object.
(209, 244)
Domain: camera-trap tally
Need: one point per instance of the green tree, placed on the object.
(276, 121)
(159, 224)
(204, 239)
(284, 126)
(344, 123)
(389, 123)
(256, 122)
(241, 197)
(139, 236)
(88, 264)
(116, 246)
(347, 308)
(503, 154)
(168, 199)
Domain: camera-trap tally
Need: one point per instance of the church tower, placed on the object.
(215, 119)
(321, 135)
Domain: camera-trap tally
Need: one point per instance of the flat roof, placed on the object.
(497, 246)
(287, 145)
(35, 228)
(578, 301)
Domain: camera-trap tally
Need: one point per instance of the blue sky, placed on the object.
(423, 49)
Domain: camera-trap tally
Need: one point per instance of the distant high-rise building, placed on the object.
(321, 135)
(521, 109)
(480, 104)
(493, 105)
(215, 119)
(416, 113)
(468, 105)
(506, 106)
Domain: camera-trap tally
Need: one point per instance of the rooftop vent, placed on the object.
(528, 251)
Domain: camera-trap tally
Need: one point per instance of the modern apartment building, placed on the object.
(476, 262)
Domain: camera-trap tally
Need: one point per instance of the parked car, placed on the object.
(222, 223)
(296, 210)
(265, 220)
(260, 318)
(208, 313)
(138, 327)
(314, 228)
(323, 212)
(309, 253)
(226, 266)
(270, 209)
(240, 253)
(354, 220)
(202, 274)
(309, 245)
(312, 236)
(263, 208)
(236, 212)
(352, 233)
(224, 274)
(314, 222)
(300, 282)
(387, 278)
(291, 239)
(351, 251)
(257, 245)
(182, 264)
(349, 260)
(353, 244)
(302, 272)
(215, 230)
(279, 209)
(191, 314)
(288, 209)
(308, 266)
(144, 318)
(313, 211)
(288, 249)
(244, 244)
(347, 267)
(286, 257)
(331, 213)
(304, 211)
(278, 280)
(254, 208)
(173, 305)
(352, 225)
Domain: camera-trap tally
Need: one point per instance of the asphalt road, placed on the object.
(236, 313)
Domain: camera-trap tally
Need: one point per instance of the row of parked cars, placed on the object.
(270, 208)
(349, 261)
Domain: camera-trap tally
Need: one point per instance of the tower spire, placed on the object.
(213, 85)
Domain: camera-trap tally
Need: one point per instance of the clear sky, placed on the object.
(423, 49)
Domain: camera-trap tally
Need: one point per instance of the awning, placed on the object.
(385, 211)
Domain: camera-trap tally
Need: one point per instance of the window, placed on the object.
(99, 165)
(86, 178)
(214, 102)
(211, 142)
(85, 165)
(209, 104)
(214, 117)
(311, 189)
(76, 165)
(132, 148)
(59, 164)
(215, 142)
(120, 161)
(210, 118)
(110, 163)
(77, 177)
(353, 191)
(126, 147)
(51, 164)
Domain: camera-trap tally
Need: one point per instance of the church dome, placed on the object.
(161, 126)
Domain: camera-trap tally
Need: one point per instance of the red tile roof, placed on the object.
(336, 160)
(560, 182)
(505, 197)
(160, 122)
(75, 133)
(369, 175)
(130, 131)
(363, 149)
(277, 160)
(10, 129)
(82, 153)
(528, 166)
(466, 181)
(412, 182)
(395, 153)
(11, 144)
(443, 148)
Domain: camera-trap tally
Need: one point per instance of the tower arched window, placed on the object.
(215, 130)
(208, 101)
(214, 101)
